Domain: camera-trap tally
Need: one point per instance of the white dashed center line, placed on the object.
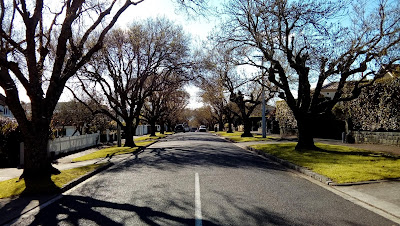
(197, 213)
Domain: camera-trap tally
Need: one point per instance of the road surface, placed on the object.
(200, 179)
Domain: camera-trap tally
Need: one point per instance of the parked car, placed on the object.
(179, 128)
(202, 128)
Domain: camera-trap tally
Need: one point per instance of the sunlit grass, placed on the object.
(112, 151)
(13, 187)
(148, 137)
(236, 137)
(340, 163)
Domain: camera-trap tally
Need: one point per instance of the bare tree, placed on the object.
(305, 41)
(163, 104)
(147, 58)
(74, 113)
(244, 89)
(176, 111)
(214, 94)
(42, 46)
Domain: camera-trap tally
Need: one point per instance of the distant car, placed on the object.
(186, 128)
(179, 128)
(202, 128)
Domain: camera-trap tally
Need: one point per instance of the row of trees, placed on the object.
(231, 93)
(309, 42)
(44, 44)
(139, 74)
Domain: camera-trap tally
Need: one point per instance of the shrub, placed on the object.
(10, 137)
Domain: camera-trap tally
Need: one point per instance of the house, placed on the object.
(329, 90)
(4, 110)
(391, 72)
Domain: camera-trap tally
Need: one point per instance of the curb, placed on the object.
(79, 180)
(290, 165)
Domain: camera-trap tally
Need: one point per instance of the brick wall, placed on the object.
(366, 137)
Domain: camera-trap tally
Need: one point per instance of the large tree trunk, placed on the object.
(37, 164)
(221, 126)
(129, 142)
(247, 127)
(306, 139)
(153, 128)
(229, 127)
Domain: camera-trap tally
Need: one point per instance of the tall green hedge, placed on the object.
(376, 109)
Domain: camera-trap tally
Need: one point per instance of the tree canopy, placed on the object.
(305, 43)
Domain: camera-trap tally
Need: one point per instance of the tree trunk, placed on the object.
(153, 128)
(305, 133)
(37, 164)
(229, 127)
(247, 128)
(129, 142)
(169, 127)
(162, 129)
(221, 126)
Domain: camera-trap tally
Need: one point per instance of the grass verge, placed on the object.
(340, 163)
(236, 137)
(112, 151)
(148, 137)
(12, 187)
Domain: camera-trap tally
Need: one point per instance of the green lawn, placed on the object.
(340, 163)
(148, 137)
(112, 151)
(13, 187)
(236, 137)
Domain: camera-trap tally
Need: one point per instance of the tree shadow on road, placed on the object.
(174, 158)
(12, 208)
(78, 210)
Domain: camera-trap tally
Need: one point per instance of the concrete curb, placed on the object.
(290, 165)
(79, 180)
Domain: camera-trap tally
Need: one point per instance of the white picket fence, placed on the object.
(141, 130)
(68, 144)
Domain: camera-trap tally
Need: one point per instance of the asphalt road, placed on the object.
(200, 179)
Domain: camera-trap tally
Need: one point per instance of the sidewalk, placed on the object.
(382, 197)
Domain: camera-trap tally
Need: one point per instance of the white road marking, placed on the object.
(197, 213)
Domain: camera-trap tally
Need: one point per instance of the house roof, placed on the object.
(392, 70)
(331, 85)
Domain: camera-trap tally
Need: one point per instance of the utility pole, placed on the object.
(264, 123)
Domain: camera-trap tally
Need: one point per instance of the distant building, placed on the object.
(329, 90)
(4, 110)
